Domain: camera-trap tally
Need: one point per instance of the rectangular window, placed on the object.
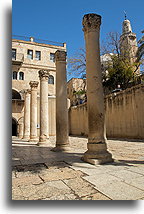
(52, 57)
(30, 54)
(38, 55)
(14, 54)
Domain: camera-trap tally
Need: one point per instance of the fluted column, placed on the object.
(62, 140)
(27, 115)
(44, 123)
(33, 111)
(97, 150)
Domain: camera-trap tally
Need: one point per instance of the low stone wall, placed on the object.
(124, 115)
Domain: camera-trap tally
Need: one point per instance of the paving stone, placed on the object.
(137, 169)
(17, 194)
(14, 174)
(136, 182)
(58, 185)
(125, 175)
(80, 186)
(55, 165)
(65, 175)
(141, 198)
(42, 191)
(99, 169)
(63, 197)
(60, 174)
(101, 179)
(96, 196)
(25, 180)
(115, 189)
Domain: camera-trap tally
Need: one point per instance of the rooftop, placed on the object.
(36, 40)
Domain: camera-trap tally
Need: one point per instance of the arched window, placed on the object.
(51, 79)
(21, 76)
(14, 75)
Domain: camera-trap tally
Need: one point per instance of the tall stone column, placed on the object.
(62, 140)
(20, 134)
(97, 150)
(33, 111)
(44, 133)
(27, 115)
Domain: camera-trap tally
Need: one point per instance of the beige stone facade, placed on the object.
(28, 57)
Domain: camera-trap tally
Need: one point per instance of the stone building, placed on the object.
(30, 55)
(76, 88)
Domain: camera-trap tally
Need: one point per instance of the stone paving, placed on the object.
(41, 174)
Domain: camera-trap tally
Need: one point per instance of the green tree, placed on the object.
(120, 72)
(140, 53)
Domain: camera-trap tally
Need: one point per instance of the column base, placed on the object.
(96, 158)
(25, 138)
(97, 154)
(61, 148)
(44, 143)
(33, 140)
(20, 136)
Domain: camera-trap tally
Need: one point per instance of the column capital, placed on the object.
(60, 55)
(91, 22)
(27, 91)
(43, 74)
(34, 84)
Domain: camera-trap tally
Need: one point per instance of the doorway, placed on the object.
(14, 127)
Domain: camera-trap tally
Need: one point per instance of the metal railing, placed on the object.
(42, 41)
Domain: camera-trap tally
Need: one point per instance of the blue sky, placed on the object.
(62, 20)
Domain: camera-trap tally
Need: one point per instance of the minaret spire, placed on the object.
(126, 25)
(125, 15)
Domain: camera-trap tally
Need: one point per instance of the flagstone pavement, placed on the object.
(41, 174)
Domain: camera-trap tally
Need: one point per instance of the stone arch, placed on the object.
(16, 95)
(14, 126)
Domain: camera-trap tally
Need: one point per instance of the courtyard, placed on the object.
(41, 174)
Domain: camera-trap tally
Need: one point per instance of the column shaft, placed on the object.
(97, 151)
(33, 111)
(20, 135)
(27, 115)
(44, 123)
(62, 140)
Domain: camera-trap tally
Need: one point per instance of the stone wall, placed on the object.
(124, 115)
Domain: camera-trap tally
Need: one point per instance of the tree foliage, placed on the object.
(116, 71)
(120, 73)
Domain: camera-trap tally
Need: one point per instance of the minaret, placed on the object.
(128, 42)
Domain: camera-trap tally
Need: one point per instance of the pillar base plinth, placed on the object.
(96, 158)
(25, 138)
(20, 137)
(44, 143)
(61, 148)
(33, 140)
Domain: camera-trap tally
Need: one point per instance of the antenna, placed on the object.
(125, 15)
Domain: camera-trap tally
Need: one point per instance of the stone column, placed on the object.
(97, 150)
(44, 123)
(62, 141)
(33, 111)
(20, 134)
(27, 115)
